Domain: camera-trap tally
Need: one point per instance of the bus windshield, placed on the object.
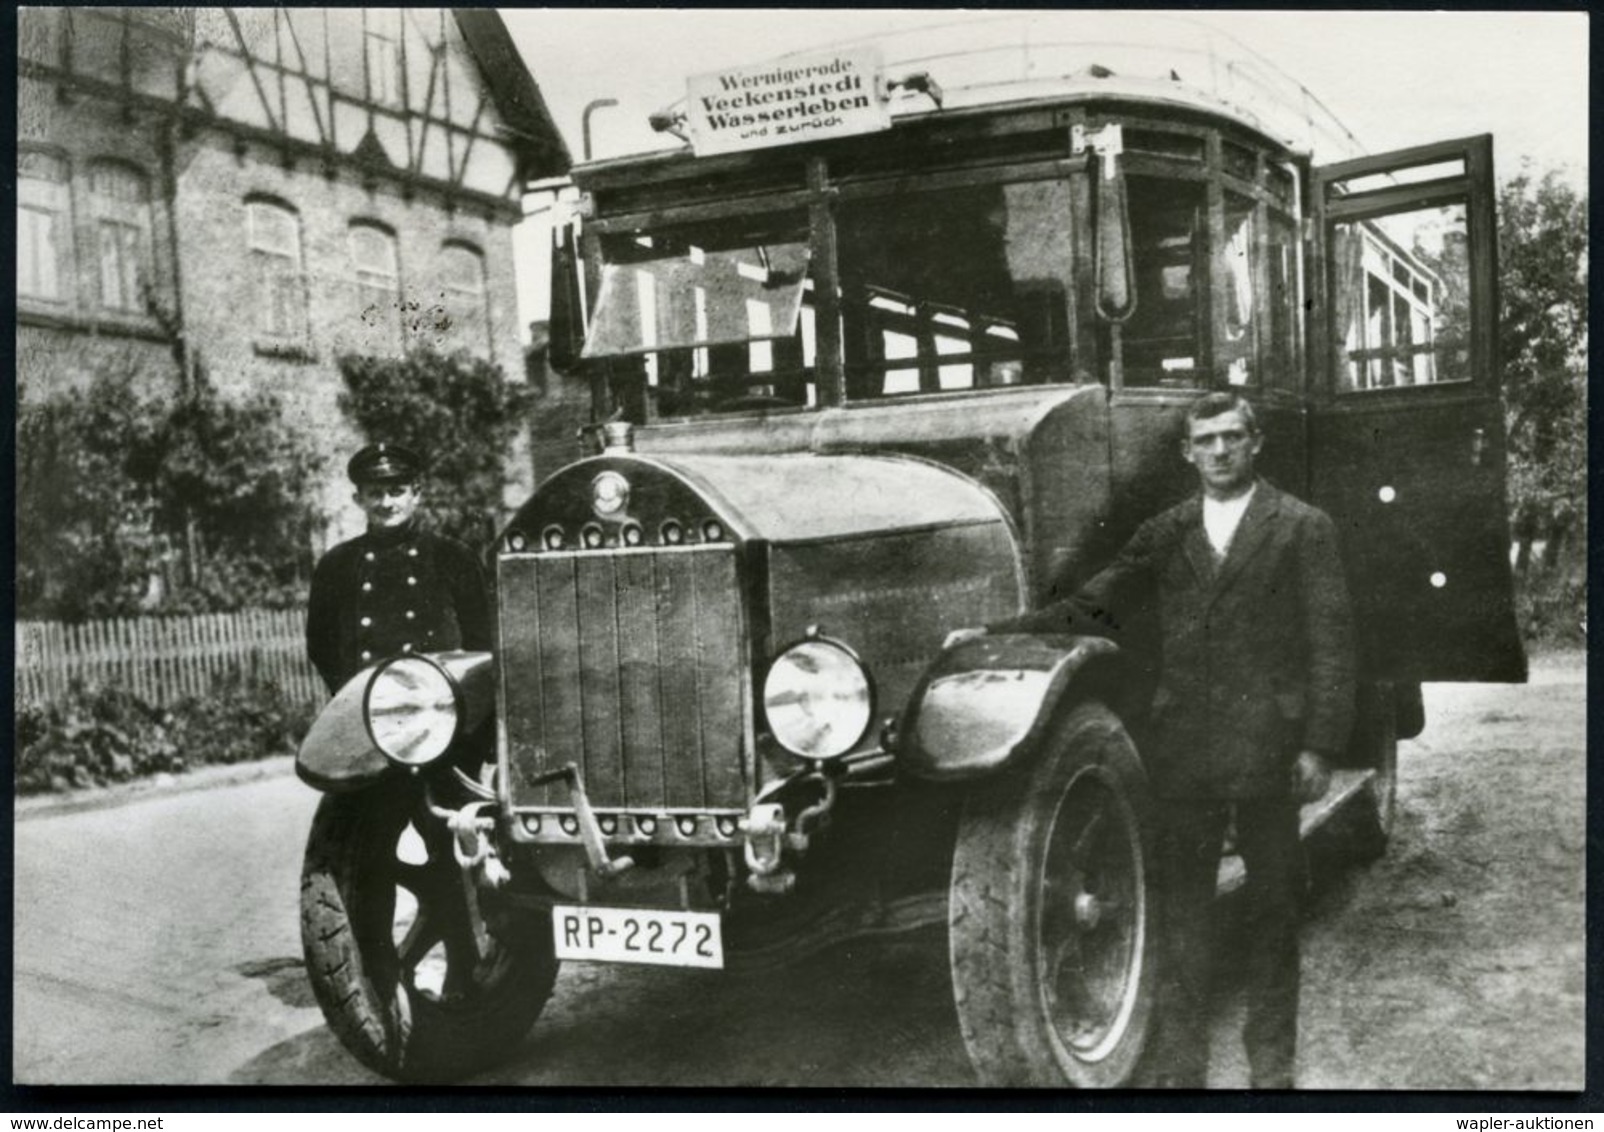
(667, 293)
(715, 313)
(958, 289)
(967, 281)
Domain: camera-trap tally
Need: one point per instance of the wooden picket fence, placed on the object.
(164, 659)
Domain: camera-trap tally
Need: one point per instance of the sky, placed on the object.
(1395, 79)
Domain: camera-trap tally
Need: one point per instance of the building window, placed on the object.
(41, 226)
(466, 297)
(121, 205)
(376, 270)
(274, 235)
(384, 69)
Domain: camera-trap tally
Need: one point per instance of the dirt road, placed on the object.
(156, 942)
(1458, 961)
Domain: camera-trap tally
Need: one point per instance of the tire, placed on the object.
(412, 994)
(1374, 746)
(1051, 929)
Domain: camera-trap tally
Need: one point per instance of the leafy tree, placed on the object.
(234, 481)
(458, 411)
(1542, 236)
(86, 545)
(138, 504)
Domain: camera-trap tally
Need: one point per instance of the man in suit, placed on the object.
(397, 588)
(1255, 694)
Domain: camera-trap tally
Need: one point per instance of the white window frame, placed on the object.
(468, 305)
(43, 228)
(382, 61)
(280, 276)
(376, 285)
(120, 201)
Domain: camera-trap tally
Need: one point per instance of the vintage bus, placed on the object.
(900, 341)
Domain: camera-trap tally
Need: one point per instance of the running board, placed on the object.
(1344, 785)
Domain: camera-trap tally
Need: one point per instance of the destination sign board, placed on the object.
(801, 98)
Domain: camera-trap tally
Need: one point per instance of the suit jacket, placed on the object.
(1256, 653)
(389, 592)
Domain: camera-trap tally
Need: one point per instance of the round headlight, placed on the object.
(609, 494)
(817, 699)
(412, 711)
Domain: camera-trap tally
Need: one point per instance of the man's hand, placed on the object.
(959, 636)
(1311, 777)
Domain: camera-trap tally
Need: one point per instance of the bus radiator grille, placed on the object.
(630, 664)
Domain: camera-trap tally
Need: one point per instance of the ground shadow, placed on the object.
(862, 1013)
(313, 1058)
(285, 979)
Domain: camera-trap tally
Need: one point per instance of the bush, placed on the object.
(101, 735)
(1552, 611)
(233, 481)
(1543, 288)
(86, 546)
(129, 503)
(459, 412)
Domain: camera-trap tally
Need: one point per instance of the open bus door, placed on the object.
(1406, 429)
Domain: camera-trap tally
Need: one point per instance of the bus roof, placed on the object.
(1033, 56)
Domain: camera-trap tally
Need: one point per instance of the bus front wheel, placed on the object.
(1051, 930)
(413, 983)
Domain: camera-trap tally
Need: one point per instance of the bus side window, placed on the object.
(1161, 343)
(1282, 268)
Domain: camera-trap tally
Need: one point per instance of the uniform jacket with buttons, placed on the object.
(384, 593)
(1256, 651)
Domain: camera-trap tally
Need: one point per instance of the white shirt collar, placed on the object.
(1222, 517)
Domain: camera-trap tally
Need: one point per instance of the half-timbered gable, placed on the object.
(260, 190)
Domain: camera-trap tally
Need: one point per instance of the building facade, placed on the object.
(261, 190)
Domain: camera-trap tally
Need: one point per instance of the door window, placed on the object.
(1401, 299)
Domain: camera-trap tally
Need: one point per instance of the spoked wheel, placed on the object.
(1092, 916)
(420, 978)
(1051, 934)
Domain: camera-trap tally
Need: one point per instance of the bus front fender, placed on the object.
(983, 705)
(338, 754)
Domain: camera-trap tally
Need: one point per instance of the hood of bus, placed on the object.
(625, 500)
(885, 553)
(1043, 451)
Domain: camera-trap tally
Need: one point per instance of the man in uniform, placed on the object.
(396, 588)
(1255, 694)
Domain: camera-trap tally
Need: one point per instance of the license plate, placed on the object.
(638, 935)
